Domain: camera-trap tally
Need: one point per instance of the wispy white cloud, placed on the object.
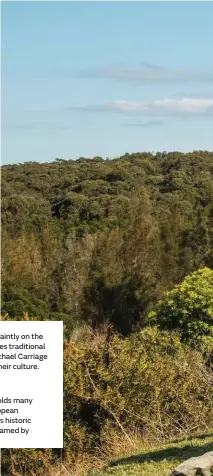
(147, 73)
(182, 107)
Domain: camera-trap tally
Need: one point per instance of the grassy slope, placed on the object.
(160, 460)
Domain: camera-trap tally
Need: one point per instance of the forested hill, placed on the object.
(102, 240)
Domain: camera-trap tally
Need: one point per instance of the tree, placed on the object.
(188, 308)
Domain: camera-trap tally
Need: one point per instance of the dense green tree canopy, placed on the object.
(102, 240)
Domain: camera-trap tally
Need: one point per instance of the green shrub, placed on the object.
(150, 382)
(16, 301)
(188, 308)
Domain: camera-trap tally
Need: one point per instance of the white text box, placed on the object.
(31, 384)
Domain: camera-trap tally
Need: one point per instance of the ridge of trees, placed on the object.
(102, 240)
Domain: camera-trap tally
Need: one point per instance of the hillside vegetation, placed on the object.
(121, 250)
(101, 240)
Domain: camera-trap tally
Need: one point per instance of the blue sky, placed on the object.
(105, 78)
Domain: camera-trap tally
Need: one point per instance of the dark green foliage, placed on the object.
(102, 240)
(16, 301)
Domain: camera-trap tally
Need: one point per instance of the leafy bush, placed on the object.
(149, 381)
(188, 308)
(16, 301)
(36, 462)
